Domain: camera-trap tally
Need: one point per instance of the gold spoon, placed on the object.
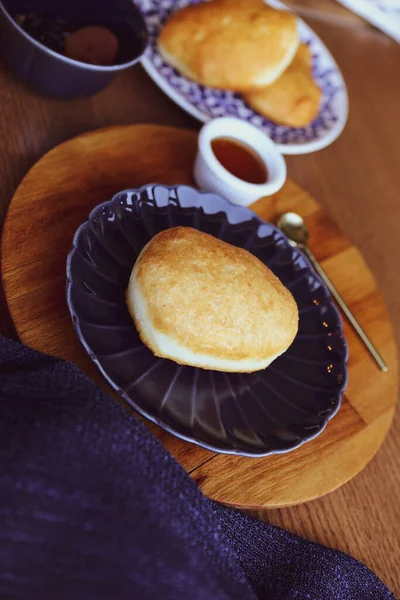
(293, 226)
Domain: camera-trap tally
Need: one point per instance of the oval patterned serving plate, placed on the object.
(206, 103)
(255, 414)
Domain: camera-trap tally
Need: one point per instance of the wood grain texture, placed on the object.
(356, 178)
(61, 190)
(327, 10)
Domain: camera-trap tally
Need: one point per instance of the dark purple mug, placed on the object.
(54, 74)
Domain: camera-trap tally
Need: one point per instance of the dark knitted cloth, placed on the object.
(93, 507)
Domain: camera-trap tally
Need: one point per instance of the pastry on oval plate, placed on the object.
(202, 302)
(294, 99)
(235, 45)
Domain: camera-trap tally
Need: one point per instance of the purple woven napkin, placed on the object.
(93, 507)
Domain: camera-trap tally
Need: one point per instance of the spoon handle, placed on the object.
(381, 363)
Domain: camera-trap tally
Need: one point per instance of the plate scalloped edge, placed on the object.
(151, 191)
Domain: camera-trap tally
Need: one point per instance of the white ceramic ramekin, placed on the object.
(211, 176)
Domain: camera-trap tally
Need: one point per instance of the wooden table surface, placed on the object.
(356, 179)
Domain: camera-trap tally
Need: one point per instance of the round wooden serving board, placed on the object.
(57, 195)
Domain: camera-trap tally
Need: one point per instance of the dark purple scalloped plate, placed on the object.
(256, 414)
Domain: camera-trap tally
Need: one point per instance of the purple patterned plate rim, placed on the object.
(240, 212)
(205, 103)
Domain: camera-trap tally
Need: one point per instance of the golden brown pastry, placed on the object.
(294, 99)
(202, 302)
(235, 45)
